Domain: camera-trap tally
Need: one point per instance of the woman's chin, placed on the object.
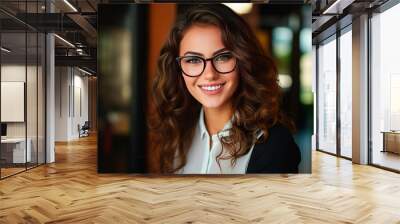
(210, 104)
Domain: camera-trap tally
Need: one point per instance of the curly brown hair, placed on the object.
(256, 100)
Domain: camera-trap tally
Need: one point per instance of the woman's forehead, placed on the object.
(203, 39)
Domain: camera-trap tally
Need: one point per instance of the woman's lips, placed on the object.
(212, 89)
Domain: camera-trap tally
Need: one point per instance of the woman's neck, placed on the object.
(216, 118)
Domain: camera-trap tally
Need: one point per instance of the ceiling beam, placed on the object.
(82, 61)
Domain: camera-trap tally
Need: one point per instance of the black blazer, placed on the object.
(278, 154)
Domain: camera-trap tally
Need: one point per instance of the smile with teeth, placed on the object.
(211, 87)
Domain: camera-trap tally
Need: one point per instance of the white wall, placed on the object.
(14, 73)
(71, 102)
(62, 81)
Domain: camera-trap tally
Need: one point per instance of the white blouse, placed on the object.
(201, 157)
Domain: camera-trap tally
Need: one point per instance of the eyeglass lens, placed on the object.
(195, 65)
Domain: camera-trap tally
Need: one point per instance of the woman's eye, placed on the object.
(192, 60)
(223, 57)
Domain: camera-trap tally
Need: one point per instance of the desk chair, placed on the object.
(84, 130)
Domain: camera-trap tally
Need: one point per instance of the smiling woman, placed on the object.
(217, 97)
(210, 84)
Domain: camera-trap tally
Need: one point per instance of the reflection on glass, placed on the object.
(306, 95)
(327, 97)
(385, 86)
(282, 38)
(345, 94)
(31, 99)
(22, 92)
(41, 99)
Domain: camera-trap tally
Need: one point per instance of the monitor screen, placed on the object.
(3, 129)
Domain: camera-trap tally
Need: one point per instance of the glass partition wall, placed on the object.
(22, 106)
(334, 106)
(13, 110)
(385, 89)
(334, 94)
(345, 92)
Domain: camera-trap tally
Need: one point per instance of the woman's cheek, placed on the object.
(190, 85)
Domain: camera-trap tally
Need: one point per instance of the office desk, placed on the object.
(16, 147)
(391, 141)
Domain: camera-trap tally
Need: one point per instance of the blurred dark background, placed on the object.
(129, 39)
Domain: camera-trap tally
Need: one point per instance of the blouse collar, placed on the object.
(203, 130)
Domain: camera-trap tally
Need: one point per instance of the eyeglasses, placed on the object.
(194, 66)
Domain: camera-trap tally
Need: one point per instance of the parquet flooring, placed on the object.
(9, 171)
(71, 191)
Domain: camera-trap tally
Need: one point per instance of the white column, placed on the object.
(50, 93)
(360, 90)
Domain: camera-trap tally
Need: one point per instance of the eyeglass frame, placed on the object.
(178, 59)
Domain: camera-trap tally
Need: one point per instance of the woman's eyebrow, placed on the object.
(192, 52)
(220, 50)
(200, 54)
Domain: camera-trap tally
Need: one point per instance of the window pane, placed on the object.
(385, 86)
(345, 94)
(327, 97)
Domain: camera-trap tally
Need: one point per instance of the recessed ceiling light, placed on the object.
(337, 7)
(70, 5)
(84, 71)
(64, 40)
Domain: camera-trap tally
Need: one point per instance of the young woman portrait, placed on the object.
(217, 100)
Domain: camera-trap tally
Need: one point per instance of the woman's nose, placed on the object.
(209, 71)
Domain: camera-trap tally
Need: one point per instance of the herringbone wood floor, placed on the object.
(70, 191)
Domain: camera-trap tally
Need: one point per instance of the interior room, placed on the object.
(385, 111)
(335, 73)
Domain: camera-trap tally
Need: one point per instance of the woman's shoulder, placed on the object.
(279, 131)
(280, 140)
(279, 153)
